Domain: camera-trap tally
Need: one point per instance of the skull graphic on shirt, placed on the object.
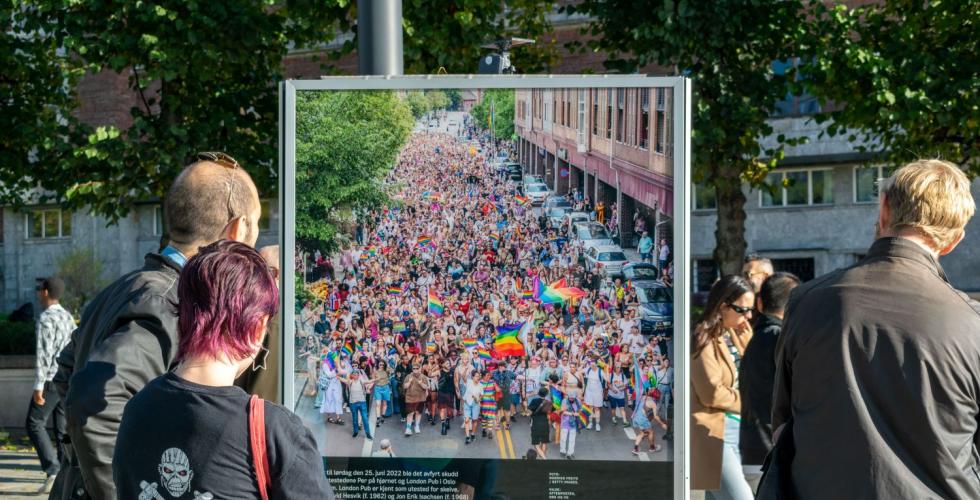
(175, 472)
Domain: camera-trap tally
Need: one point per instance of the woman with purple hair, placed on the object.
(188, 431)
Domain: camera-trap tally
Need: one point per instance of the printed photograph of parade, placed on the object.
(506, 290)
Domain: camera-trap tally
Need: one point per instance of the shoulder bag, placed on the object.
(256, 435)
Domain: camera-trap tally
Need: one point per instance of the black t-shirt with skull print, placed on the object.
(183, 440)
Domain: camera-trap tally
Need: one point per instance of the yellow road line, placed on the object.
(500, 444)
(510, 444)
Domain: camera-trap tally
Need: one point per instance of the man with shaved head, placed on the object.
(128, 334)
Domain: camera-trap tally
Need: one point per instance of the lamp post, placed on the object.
(379, 37)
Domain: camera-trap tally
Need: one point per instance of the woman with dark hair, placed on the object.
(189, 430)
(540, 407)
(719, 339)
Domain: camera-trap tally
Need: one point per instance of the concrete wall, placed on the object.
(120, 247)
(16, 386)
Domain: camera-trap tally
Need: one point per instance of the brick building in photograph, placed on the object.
(613, 145)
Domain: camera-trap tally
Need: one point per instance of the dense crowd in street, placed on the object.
(439, 313)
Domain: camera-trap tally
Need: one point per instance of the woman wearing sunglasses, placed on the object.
(719, 340)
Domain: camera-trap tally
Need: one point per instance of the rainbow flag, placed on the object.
(435, 305)
(556, 398)
(483, 354)
(522, 199)
(527, 294)
(364, 256)
(394, 290)
(350, 347)
(425, 241)
(331, 360)
(398, 327)
(506, 343)
(584, 415)
(495, 237)
(470, 343)
(637, 381)
(549, 336)
(430, 347)
(372, 251)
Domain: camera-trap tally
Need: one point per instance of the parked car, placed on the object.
(514, 176)
(532, 179)
(537, 192)
(656, 308)
(609, 259)
(573, 218)
(640, 271)
(555, 216)
(556, 201)
(591, 234)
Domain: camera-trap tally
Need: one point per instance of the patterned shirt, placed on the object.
(54, 329)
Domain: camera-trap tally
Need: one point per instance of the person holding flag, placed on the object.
(645, 411)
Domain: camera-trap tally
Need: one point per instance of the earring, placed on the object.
(261, 366)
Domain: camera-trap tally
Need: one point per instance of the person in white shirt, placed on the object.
(54, 328)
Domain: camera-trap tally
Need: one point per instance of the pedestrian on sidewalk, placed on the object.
(878, 364)
(645, 248)
(54, 328)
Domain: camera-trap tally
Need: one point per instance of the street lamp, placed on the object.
(499, 62)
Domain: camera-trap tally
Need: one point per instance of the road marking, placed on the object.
(369, 425)
(510, 444)
(629, 433)
(644, 457)
(500, 444)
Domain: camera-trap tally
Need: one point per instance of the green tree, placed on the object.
(438, 100)
(502, 102)
(35, 99)
(195, 86)
(904, 77)
(449, 33)
(417, 103)
(455, 98)
(727, 47)
(346, 142)
(81, 270)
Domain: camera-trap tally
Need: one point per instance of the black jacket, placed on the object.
(127, 337)
(878, 366)
(755, 380)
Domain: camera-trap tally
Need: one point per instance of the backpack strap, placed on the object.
(256, 434)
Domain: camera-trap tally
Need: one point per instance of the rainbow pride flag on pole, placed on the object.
(331, 360)
(522, 199)
(350, 347)
(436, 306)
(506, 343)
(394, 290)
(425, 241)
(470, 343)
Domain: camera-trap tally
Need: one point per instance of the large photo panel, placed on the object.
(484, 292)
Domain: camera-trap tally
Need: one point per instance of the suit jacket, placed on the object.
(713, 391)
(879, 367)
(755, 380)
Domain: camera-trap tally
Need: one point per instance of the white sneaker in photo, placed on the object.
(48, 484)
(597, 427)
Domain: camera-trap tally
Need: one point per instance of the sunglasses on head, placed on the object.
(219, 158)
(740, 309)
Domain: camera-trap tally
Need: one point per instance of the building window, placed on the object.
(866, 182)
(705, 274)
(609, 113)
(48, 223)
(704, 197)
(158, 220)
(661, 117)
(580, 123)
(644, 118)
(595, 112)
(631, 117)
(798, 188)
(802, 268)
(620, 113)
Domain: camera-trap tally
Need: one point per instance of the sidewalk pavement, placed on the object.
(20, 475)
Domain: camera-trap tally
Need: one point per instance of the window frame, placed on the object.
(694, 200)
(881, 170)
(43, 211)
(809, 188)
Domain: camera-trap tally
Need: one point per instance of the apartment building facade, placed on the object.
(614, 145)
